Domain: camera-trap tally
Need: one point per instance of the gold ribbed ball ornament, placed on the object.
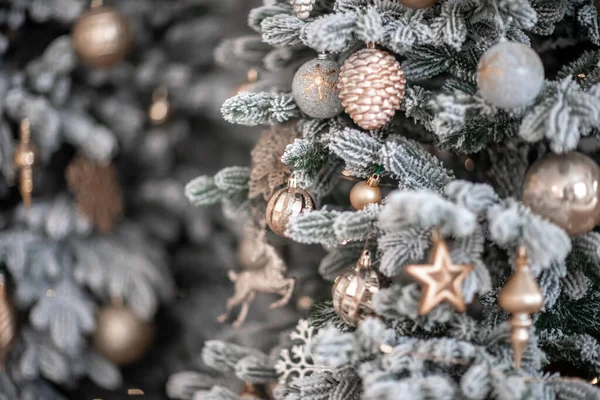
(418, 3)
(354, 289)
(286, 204)
(365, 193)
(8, 322)
(371, 84)
(565, 188)
(121, 336)
(101, 36)
(521, 296)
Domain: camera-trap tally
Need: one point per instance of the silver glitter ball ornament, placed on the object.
(564, 188)
(510, 75)
(315, 88)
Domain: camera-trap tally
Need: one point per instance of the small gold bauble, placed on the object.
(121, 336)
(101, 37)
(418, 3)
(286, 204)
(565, 188)
(354, 289)
(365, 193)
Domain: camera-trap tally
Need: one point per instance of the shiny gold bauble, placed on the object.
(565, 188)
(101, 37)
(354, 289)
(418, 3)
(365, 193)
(286, 204)
(121, 336)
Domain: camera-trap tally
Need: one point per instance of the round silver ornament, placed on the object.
(510, 75)
(565, 188)
(315, 88)
(302, 8)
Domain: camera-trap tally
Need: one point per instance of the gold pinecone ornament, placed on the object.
(521, 296)
(354, 289)
(371, 84)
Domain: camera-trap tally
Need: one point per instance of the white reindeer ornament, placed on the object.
(270, 279)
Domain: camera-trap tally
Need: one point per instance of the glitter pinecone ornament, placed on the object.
(371, 84)
(101, 36)
(302, 8)
(354, 289)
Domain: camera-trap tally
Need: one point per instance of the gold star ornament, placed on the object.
(441, 279)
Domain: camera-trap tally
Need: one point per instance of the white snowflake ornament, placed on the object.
(297, 362)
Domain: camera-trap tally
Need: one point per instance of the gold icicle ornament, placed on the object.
(521, 296)
(25, 158)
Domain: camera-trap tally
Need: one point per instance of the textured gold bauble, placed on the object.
(121, 336)
(365, 193)
(101, 37)
(371, 84)
(286, 204)
(565, 188)
(354, 289)
(418, 3)
(521, 296)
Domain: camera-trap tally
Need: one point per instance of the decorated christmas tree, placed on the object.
(444, 154)
(105, 110)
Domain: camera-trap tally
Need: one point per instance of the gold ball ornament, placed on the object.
(371, 84)
(8, 322)
(121, 336)
(354, 289)
(286, 204)
(521, 296)
(416, 4)
(365, 193)
(101, 37)
(565, 188)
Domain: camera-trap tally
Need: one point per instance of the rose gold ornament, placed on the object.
(8, 322)
(121, 336)
(354, 289)
(160, 109)
(521, 296)
(565, 188)
(286, 204)
(25, 157)
(371, 84)
(441, 280)
(365, 193)
(97, 190)
(101, 36)
(418, 3)
(270, 279)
